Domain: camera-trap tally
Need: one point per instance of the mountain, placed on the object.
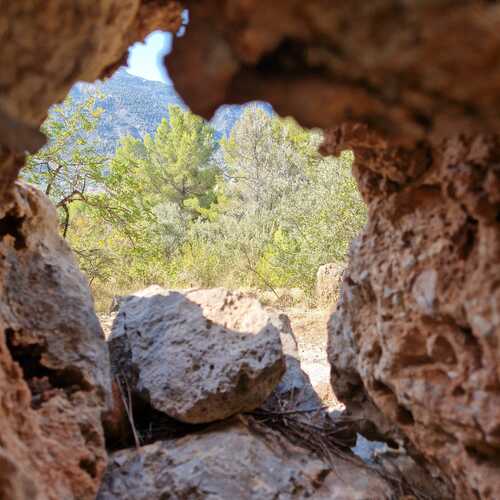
(132, 105)
(136, 106)
(226, 116)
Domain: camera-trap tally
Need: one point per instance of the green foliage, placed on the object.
(68, 167)
(259, 209)
(177, 160)
(286, 211)
(155, 187)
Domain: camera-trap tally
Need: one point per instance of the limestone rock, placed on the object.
(294, 391)
(414, 341)
(197, 356)
(239, 459)
(328, 283)
(296, 397)
(402, 68)
(54, 366)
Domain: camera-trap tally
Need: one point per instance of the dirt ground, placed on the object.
(309, 326)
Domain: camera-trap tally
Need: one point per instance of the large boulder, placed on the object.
(54, 366)
(198, 356)
(237, 459)
(414, 342)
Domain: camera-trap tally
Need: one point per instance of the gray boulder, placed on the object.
(197, 356)
(239, 459)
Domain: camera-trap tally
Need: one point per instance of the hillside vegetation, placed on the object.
(182, 204)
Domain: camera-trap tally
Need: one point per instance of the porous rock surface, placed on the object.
(235, 459)
(411, 70)
(415, 71)
(414, 342)
(295, 400)
(54, 366)
(198, 356)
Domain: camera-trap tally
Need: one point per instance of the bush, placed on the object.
(261, 209)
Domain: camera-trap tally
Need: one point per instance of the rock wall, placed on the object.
(414, 342)
(410, 69)
(54, 366)
(328, 279)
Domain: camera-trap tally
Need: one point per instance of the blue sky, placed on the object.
(145, 59)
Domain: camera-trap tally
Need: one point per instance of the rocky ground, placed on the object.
(199, 373)
(309, 326)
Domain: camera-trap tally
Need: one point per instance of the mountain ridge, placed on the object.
(135, 106)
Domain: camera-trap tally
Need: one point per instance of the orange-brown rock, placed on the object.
(409, 69)
(54, 366)
(414, 342)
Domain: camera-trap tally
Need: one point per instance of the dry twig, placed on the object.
(127, 402)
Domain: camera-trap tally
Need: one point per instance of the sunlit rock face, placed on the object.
(414, 341)
(54, 365)
(198, 356)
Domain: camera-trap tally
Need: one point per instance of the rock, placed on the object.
(54, 366)
(414, 341)
(116, 302)
(315, 64)
(239, 459)
(328, 283)
(294, 391)
(297, 412)
(116, 423)
(14, 482)
(408, 351)
(197, 356)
